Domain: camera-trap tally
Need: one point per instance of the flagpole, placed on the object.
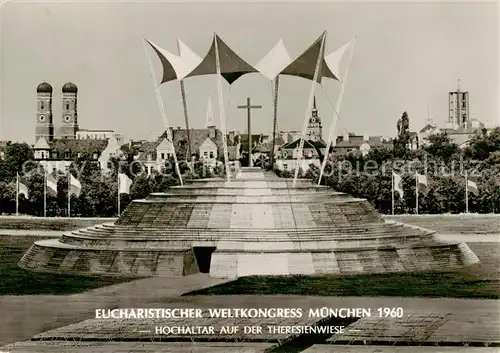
(416, 192)
(45, 193)
(221, 108)
(466, 193)
(118, 193)
(336, 113)
(393, 193)
(69, 194)
(309, 106)
(275, 121)
(17, 194)
(162, 111)
(186, 121)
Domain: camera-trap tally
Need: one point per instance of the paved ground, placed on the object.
(149, 347)
(451, 320)
(471, 238)
(320, 348)
(60, 310)
(138, 347)
(30, 233)
(425, 321)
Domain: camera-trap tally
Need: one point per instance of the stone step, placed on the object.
(171, 214)
(372, 227)
(130, 239)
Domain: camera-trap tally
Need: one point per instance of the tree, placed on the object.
(441, 147)
(35, 184)
(16, 155)
(401, 142)
(86, 168)
(446, 195)
(7, 197)
(379, 155)
(141, 187)
(482, 144)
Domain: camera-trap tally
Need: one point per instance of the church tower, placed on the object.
(459, 108)
(44, 123)
(314, 128)
(69, 112)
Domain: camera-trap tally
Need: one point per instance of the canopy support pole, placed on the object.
(309, 106)
(186, 120)
(221, 109)
(162, 111)
(275, 121)
(336, 115)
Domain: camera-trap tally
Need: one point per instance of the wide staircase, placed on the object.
(256, 224)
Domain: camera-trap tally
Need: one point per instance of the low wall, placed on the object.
(49, 223)
(454, 224)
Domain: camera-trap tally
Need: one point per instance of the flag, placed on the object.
(51, 184)
(472, 187)
(333, 59)
(74, 186)
(274, 61)
(398, 184)
(124, 183)
(21, 188)
(422, 182)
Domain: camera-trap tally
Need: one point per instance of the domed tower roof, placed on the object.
(44, 87)
(69, 88)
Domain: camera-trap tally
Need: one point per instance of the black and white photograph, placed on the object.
(249, 176)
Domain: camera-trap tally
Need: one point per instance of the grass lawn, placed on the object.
(478, 281)
(16, 281)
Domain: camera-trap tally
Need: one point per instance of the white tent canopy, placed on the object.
(275, 61)
(222, 61)
(333, 59)
(176, 67)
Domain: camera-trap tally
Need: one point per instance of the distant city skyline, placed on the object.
(408, 57)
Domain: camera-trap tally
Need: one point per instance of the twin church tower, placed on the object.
(44, 118)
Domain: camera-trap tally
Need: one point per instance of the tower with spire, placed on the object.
(314, 127)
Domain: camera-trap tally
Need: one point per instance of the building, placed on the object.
(44, 118)
(58, 155)
(69, 125)
(313, 147)
(206, 146)
(460, 127)
(82, 134)
(288, 136)
(154, 155)
(58, 152)
(352, 143)
(459, 114)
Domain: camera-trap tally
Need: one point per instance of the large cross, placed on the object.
(249, 108)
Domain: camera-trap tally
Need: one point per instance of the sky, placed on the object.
(407, 57)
